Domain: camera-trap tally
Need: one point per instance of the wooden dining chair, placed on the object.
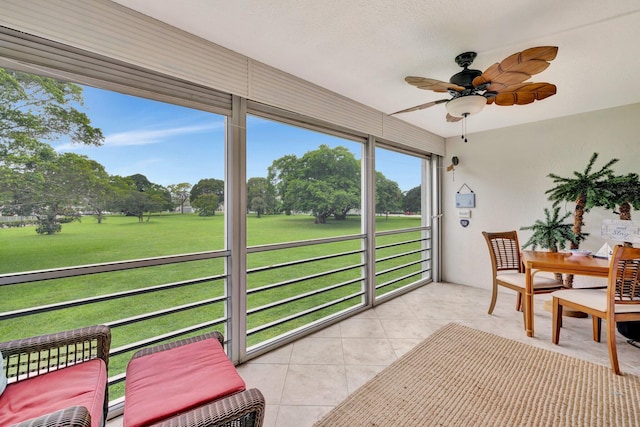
(508, 270)
(620, 302)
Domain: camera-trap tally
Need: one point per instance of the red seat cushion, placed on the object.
(83, 384)
(163, 384)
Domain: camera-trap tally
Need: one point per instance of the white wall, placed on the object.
(507, 169)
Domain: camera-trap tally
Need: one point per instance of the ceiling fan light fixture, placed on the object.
(466, 105)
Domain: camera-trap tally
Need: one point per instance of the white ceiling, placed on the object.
(363, 49)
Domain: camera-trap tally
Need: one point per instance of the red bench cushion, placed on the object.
(161, 385)
(83, 384)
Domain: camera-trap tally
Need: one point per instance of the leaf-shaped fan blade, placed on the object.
(421, 106)
(453, 119)
(517, 68)
(524, 93)
(431, 84)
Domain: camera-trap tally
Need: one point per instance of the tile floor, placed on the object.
(303, 380)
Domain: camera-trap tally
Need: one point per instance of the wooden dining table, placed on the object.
(556, 262)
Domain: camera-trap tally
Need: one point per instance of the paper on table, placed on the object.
(604, 252)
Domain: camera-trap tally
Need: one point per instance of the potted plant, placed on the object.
(552, 233)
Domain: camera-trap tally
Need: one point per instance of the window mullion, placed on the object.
(235, 229)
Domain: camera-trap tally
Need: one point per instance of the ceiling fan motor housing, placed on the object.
(465, 77)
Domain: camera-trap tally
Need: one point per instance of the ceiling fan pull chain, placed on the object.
(464, 127)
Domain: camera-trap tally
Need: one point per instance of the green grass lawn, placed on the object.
(124, 238)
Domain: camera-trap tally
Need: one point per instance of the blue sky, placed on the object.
(170, 144)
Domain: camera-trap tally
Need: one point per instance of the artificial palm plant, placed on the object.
(552, 233)
(626, 193)
(586, 189)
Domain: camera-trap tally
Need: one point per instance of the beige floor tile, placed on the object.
(400, 328)
(270, 415)
(368, 351)
(317, 351)
(279, 355)
(401, 346)
(357, 375)
(332, 331)
(297, 416)
(359, 328)
(314, 385)
(394, 310)
(268, 378)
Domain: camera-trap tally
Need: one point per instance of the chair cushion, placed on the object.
(163, 384)
(520, 280)
(593, 298)
(83, 384)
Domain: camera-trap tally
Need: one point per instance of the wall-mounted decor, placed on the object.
(465, 200)
(620, 230)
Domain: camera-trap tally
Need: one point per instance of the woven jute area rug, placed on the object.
(460, 376)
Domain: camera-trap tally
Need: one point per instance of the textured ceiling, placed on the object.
(363, 49)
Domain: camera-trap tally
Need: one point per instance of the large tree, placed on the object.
(323, 182)
(180, 194)
(261, 196)
(161, 196)
(258, 205)
(388, 195)
(208, 186)
(206, 204)
(59, 189)
(35, 111)
(279, 174)
(137, 196)
(411, 201)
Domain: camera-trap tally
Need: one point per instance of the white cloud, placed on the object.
(143, 137)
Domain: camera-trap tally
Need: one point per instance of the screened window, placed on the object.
(303, 189)
(403, 244)
(132, 197)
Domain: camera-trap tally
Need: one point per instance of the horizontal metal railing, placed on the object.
(107, 297)
(303, 313)
(57, 274)
(328, 302)
(294, 295)
(406, 267)
(83, 270)
(297, 280)
(335, 285)
(164, 337)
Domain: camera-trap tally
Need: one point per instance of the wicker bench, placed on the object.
(190, 382)
(57, 379)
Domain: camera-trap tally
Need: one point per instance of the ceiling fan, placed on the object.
(502, 83)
